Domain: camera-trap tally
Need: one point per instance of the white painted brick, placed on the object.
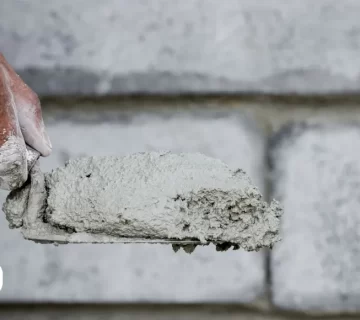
(133, 273)
(316, 176)
(121, 46)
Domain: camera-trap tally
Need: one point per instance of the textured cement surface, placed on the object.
(155, 196)
(34, 272)
(13, 164)
(114, 46)
(316, 176)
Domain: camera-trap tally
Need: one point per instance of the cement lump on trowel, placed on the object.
(180, 199)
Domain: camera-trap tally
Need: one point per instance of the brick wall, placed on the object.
(269, 87)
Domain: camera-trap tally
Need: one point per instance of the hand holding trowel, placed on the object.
(180, 199)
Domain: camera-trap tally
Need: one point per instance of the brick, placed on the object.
(114, 46)
(134, 273)
(316, 176)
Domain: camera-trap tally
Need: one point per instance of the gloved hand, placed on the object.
(21, 123)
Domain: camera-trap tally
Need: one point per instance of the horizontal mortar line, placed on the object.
(226, 308)
(319, 100)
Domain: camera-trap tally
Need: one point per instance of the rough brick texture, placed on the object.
(316, 176)
(133, 273)
(121, 46)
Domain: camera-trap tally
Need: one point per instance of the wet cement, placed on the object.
(155, 196)
(13, 164)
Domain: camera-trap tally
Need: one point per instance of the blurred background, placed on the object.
(268, 86)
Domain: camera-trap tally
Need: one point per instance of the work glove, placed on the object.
(23, 137)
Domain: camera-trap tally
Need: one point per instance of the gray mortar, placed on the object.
(156, 196)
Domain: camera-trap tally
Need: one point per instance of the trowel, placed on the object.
(180, 199)
(157, 197)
